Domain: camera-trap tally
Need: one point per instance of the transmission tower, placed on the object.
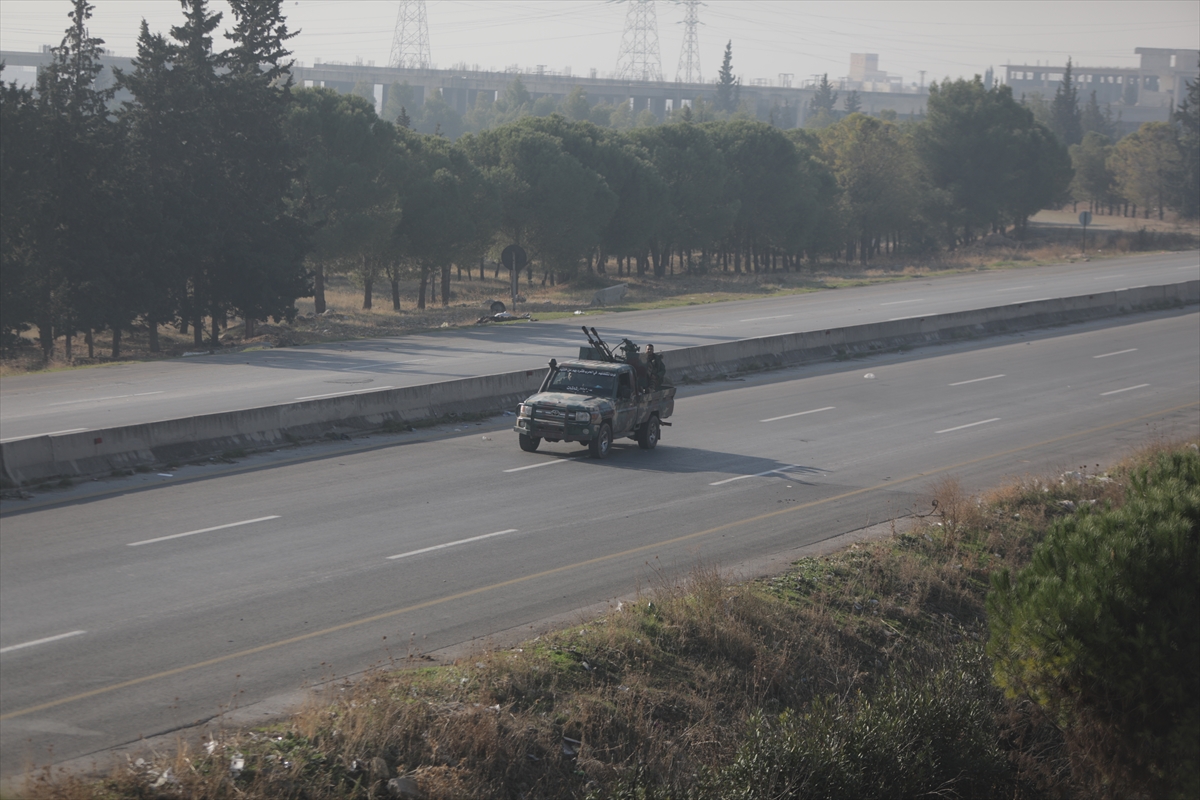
(638, 59)
(689, 56)
(410, 44)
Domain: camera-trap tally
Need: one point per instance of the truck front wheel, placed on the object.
(599, 446)
(528, 443)
(648, 434)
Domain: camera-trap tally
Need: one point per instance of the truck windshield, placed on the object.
(574, 380)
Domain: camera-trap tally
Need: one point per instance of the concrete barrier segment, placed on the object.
(99, 452)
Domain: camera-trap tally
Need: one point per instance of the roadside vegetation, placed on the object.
(1038, 641)
(1052, 237)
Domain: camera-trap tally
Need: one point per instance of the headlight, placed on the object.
(583, 416)
(524, 410)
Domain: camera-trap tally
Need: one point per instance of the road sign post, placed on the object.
(1085, 219)
(514, 259)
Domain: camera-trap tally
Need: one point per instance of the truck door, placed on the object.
(626, 405)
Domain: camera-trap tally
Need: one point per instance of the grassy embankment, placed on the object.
(859, 674)
(1054, 237)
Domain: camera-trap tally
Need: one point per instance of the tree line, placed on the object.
(219, 191)
(1156, 168)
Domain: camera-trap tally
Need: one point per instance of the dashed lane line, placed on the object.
(977, 380)
(798, 414)
(969, 425)
(35, 435)
(539, 464)
(36, 642)
(452, 544)
(1126, 389)
(755, 475)
(203, 530)
(340, 394)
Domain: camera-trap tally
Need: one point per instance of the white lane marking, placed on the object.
(367, 366)
(913, 316)
(339, 394)
(756, 475)
(1015, 288)
(760, 319)
(539, 464)
(977, 380)
(1126, 389)
(36, 642)
(798, 414)
(1036, 300)
(901, 302)
(451, 544)
(1139, 286)
(970, 425)
(204, 530)
(99, 399)
(386, 364)
(51, 433)
(1116, 353)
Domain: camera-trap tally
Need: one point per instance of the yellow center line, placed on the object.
(568, 567)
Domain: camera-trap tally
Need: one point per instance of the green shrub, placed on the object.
(915, 735)
(1102, 629)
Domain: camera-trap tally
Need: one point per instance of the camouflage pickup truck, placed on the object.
(594, 402)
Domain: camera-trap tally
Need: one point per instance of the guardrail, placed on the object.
(99, 452)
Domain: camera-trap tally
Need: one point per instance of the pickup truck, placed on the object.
(594, 402)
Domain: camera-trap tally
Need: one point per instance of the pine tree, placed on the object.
(1093, 120)
(77, 266)
(825, 98)
(852, 104)
(1187, 117)
(728, 87)
(1064, 110)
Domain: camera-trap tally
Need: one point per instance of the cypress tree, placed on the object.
(1065, 118)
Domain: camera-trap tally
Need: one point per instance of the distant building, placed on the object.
(1147, 93)
(866, 76)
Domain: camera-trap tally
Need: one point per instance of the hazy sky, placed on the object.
(953, 38)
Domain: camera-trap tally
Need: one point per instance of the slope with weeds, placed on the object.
(861, 674)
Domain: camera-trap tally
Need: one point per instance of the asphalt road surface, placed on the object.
(128, 394)
(145, 611)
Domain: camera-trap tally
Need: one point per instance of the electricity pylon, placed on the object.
(410, 43)
(689, 55)
(639, 59)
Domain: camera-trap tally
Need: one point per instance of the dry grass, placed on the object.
(654, 697)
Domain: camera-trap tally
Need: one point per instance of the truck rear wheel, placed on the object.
(528, 443)
(648, 434)
(602, 443)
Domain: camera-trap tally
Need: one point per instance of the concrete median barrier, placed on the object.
(99, 452)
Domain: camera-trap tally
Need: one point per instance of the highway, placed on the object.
(144, 611)
(128, 394)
